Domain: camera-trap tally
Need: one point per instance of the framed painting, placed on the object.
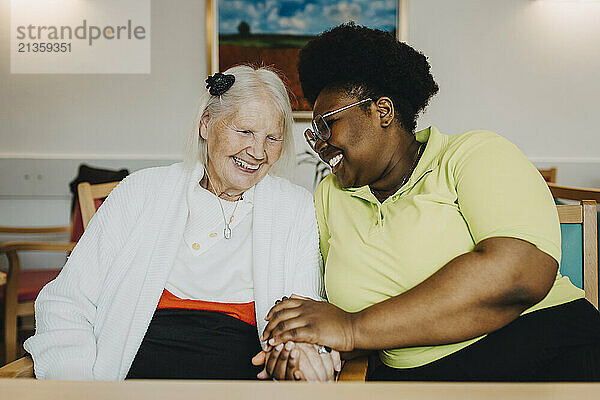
(272, 32)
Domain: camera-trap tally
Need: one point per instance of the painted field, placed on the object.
(282, 59)
(278, 41)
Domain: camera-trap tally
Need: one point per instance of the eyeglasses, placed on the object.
(320, 130)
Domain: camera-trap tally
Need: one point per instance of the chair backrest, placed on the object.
(549, 174)
(580, 246)
(93, 176)
(574, 193)
(91, 197)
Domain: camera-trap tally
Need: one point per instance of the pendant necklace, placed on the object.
(227, 229)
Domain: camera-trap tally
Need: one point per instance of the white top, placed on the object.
(90, 320)
(207, 266)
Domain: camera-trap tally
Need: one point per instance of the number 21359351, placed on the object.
(42, 47)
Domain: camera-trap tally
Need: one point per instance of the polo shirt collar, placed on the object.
(435, 143)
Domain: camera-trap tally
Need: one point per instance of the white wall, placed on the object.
(524, 68)
(143, 115)
(49, 123)
(527, 69)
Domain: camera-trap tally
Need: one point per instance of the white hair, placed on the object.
(250, 84)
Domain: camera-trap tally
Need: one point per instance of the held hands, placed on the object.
(284, 359)
(297, 361)
(304, 320)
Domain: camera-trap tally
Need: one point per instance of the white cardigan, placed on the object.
(90, 321)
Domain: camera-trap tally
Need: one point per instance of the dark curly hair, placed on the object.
(365, 62)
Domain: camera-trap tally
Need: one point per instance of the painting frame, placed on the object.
(212, 40)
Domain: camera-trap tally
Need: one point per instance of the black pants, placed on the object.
(560, 343)
(193, 344)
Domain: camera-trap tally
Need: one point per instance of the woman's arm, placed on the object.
(306, 277)
(504, 277)
(476, 293)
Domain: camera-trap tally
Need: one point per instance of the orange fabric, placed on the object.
(242, 311)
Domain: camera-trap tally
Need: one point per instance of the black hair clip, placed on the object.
(219, 83)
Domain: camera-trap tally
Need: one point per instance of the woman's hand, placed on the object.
(298, 361)
(305, 320)
(280, 362)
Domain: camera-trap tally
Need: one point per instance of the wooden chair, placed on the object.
(574, 193)
(583, 214)
(21, 368)
(549, 174)
(22, 287)
(19, 300)
(2, 279)
(352, 370)
(26, 284)
(91, 197)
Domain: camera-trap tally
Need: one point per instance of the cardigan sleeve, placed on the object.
(64, 344)
(308, 271)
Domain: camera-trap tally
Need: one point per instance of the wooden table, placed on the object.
(22, 389)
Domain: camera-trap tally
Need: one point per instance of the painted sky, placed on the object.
(304, 16)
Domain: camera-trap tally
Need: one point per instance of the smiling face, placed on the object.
(243, 146)
(359, 150)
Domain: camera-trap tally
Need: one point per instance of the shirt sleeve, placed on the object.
(501, 194)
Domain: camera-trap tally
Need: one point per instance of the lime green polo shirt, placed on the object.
(465, 188)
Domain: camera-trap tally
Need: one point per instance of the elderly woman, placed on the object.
(441, 252)
(177, 270)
